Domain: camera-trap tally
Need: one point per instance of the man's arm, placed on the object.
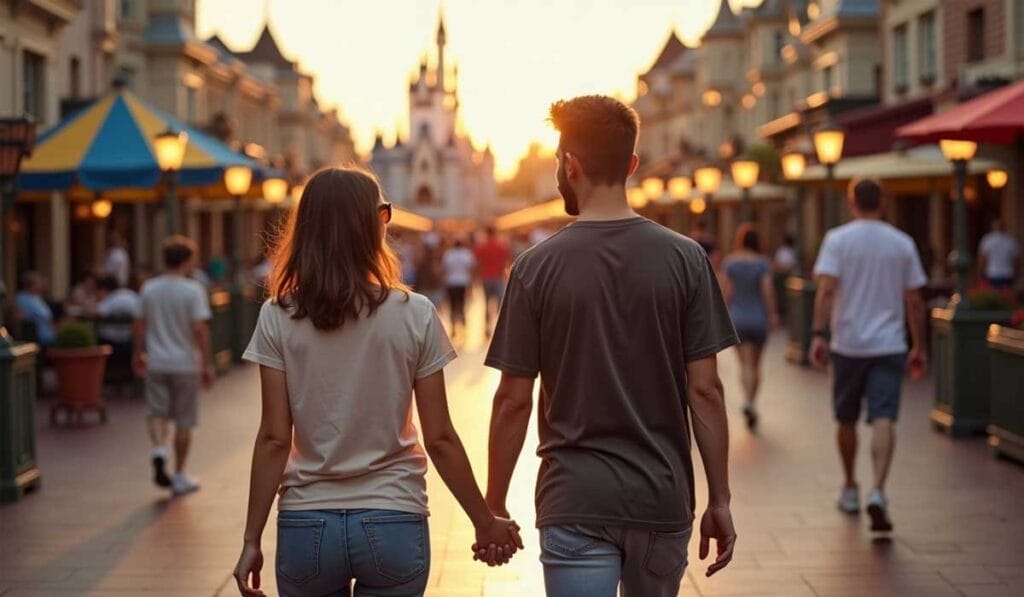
(510, 416)
(139, 346)
(706, 399)
(201, 332)
(823, 300)
(918, 359)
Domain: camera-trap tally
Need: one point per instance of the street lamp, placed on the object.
(17, 140)
(237, 180)
(707, 179)
(101, 208)
(169, 147)
(654, 187)
(275, 190)
(636, 197)
(959, 152)
(744, 174)
(828, 144)
(793, 165)
(679, 188)
(997, 178)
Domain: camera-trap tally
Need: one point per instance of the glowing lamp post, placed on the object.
(169, 147)
(275, 190)
(101, 209)
(997, 178)
(679, 188)
(744, 174)
(793, 165)
(636, 197)
(959, 153)
(654, 187)
(708, 179)
(17, 140)
(237, 180)
(828, 144)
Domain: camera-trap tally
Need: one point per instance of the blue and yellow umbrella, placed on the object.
(107, 149)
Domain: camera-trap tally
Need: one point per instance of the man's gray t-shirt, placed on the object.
(609, 313)
(171, 305)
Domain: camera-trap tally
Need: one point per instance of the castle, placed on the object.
(437, 171)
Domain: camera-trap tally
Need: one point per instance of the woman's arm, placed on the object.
(449, 456)
(768, 295)
(269, 456)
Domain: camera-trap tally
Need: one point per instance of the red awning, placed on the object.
(995, 117)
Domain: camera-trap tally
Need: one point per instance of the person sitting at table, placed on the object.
(116, 302)
(32, 307)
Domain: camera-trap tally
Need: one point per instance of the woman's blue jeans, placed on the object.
(321, 552)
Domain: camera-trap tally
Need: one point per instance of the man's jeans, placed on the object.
(592, 561)
(320, 552)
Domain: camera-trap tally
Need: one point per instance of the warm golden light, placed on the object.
(82, 212)
(237, 180)
(956, 150)
(169, 148)
(297, 193)
(275, 190)
(758, 89)
(813, 11)
(793, 165)
(637, 197)
(828, 144)
(997, 178)
(749, 101)
(680, 187)
(711, 98)
(707, 179)
(654, 187)
(698, 205)
(101, 208)
(745, 173)
(794, 26)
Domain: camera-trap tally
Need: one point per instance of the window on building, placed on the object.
(828, 78)
(127, 9)
(926, 47)
(33, 73)
(192, 105)
(900, 59)
(976, 35)
(75, 77)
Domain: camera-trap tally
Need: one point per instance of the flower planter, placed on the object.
(961, 362)
(79, 381)
(799, 318)
(1006, 417)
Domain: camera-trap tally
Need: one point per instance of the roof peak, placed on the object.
(673, 49)
(726, 22)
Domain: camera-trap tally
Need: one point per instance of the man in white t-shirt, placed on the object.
(999, 254)
(172, 353)
(869, 279)
(459, 266)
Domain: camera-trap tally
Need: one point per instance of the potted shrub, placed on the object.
(80, 363)
(1006, 363)
(962, 378)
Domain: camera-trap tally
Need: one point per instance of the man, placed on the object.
(493, 258)
(32, 307)
(622, 319)
(115, 302)
(172, 353)
(869, 279)
(117, 262)
(999, 254)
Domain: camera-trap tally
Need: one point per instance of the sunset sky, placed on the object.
(515, 56)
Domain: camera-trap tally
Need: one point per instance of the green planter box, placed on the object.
(19, 472)
(799, 317)
(247, 312)
(962, 376)
(222, 329)
(1006, 417)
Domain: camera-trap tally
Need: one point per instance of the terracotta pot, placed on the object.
(80, 373)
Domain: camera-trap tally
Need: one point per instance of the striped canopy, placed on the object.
(107, 148)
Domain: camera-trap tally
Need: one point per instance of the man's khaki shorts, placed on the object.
(174, 396)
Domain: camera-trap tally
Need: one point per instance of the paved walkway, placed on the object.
(99, 527)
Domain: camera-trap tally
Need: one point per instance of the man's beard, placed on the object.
(572, 204)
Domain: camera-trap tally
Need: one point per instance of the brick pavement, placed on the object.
(99, 527)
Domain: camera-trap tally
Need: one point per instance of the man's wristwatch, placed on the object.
(821, 334)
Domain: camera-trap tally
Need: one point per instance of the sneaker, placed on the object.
(160, 468)
(750, 412)
(849, 500)
(182, 484)
(878, 510)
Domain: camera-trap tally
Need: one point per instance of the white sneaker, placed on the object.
(849, 500)
(182, 484)
(878, 510)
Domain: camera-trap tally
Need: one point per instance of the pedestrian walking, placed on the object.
(459, 266)
(786, 259)
(750, 293)
(869, 279)
(342, 346)
(429, 274)
(707, 241)
(172, 353)
(622, 319)
(1000, 256)
(494, 257)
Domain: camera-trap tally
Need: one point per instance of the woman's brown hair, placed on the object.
(747, 238)
(331, 262)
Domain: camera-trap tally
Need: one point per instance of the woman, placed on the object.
(342, 345)
(747, 283)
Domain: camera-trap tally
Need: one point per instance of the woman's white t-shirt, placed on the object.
(350, 390)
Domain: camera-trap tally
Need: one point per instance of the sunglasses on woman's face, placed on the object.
(385, 212)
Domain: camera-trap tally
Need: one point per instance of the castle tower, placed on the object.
(442, 39)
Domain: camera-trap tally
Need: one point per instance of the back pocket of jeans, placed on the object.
(398, 543)
(666, 552)
(298, 548)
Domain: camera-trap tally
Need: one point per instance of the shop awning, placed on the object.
(106, 148)
(921, 162)
(995, 117)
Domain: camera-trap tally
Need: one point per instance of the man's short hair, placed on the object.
(866, 194)
(178, 250)
(601, 132)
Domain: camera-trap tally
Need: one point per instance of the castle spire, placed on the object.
(442, 39)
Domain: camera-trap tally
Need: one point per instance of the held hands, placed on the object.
(496, 541)
(250, 563)
(717, 524)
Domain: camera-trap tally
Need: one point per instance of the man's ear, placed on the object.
(634, 163)
(572, 165)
